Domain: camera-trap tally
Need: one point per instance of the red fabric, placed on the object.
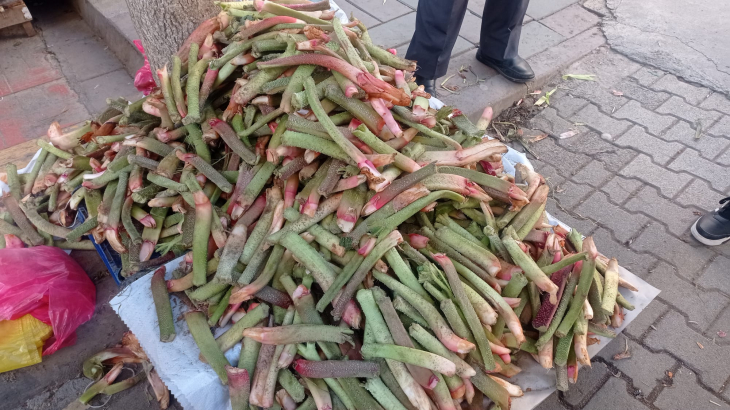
(47, 283)
(143, 80)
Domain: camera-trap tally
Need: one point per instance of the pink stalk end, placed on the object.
(393, 51)
(300, 292)
(379, 106)
(146, 250)
(366, 245)
(512, 302)
(349, 183)
(228, 314)
(354, 123)
(290, 190)
(418, 241)
(148, 221)
(469, 394)
(265, 23)
(352, 315)
(13, 242)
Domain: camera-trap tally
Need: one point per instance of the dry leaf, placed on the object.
(517, 104)
(625, 354)
(721, 333)
(545, 99)
(536, 92)
(670, 374)
(592, 341)
(538, 138)
(617, 93)
(700, 345)
(585, 77)
(569, 134)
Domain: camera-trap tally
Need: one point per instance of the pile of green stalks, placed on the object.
(369, 251)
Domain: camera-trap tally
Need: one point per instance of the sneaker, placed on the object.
(713, 228)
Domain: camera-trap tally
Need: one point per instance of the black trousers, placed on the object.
(437, 27)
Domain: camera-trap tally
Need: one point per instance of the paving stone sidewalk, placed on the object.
(636, 177)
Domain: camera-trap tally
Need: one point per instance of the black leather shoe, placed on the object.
(516, 69)
(429, 85)
(713, 228)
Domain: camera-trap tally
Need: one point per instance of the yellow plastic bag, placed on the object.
(21, 342)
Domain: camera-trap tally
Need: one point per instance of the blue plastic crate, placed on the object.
(111, 258)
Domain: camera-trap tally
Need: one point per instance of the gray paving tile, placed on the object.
(700, 306)
(543, 8)
(616, 393)
(673, 336)
(619, 188)
(688, 260)
(678, 218)
(660, 150)
(394, 32)
(637, 263)
(679, 108)
(471, 28)
(699, 194)
(536, 37)
(653, 312)
(645, 368)
(691, 93)
(115, 84)
(410, 3)
(601, 122)
(715, 275)
(653, 122)
(717, 102)
(624, 225)
(707, 145)
(84, 59)
(647, 75)
(567, 162)
(590, 380)
(571, 20)
(648, 98)
(721, 128)
(366, 18)
(476, 7)
(644, 169)
(691, 161)
(382, 12)
(686, 392)
(594, 174)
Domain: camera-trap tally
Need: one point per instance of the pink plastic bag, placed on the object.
(143, 80)
(48, 284)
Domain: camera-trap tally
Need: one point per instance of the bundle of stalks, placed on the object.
(328, 213)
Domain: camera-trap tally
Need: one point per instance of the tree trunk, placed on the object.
(164, 25)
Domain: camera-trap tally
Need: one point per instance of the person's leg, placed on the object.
(500, 38)
(713, 228)
(437, 28)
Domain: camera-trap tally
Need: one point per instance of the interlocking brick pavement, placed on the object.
(639, 208)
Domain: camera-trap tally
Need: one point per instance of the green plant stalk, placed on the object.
(610, 287)
(28, 186)
(42, 224)
(392, 222)
(530, 268)
(234, 335)
(375, 321)
(567, 261)
(311, 259)
(302, 333)
(85, 245)
(291, 385)
(379, 146)
(496, 300)
(276, 86)
(79, 231)
(299, 99)
(547, 335)
(296, 84)
(177, 91)
(433, 345)
(512, 290)
(74, 182)
(53, 150)
(143, 162)
(220, 308)
(409, 311)
(491, 389)
(52, 197)
(581, 293)
(398, 114)
(249, 353)
(409, 355)
(161, 298)
(206, 169)
(457, 257)
(476, 253)
(154, 146)
(445, 220)
(105, 178)
(361, 110)
(258, 235)
(327, 239)
(13, 181)
(254, 188)
(534, 295)
(257, 261)
(261, 122)
(203, 215)
(166, 183)
(562, 348)
(167, 93)
(195, 72)
(405, 274)
(313, 143)
(310, 353)
(198, 326)
(231, 251)
(305, 222)
(387, 242)
(383, 395)
(435, 321)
